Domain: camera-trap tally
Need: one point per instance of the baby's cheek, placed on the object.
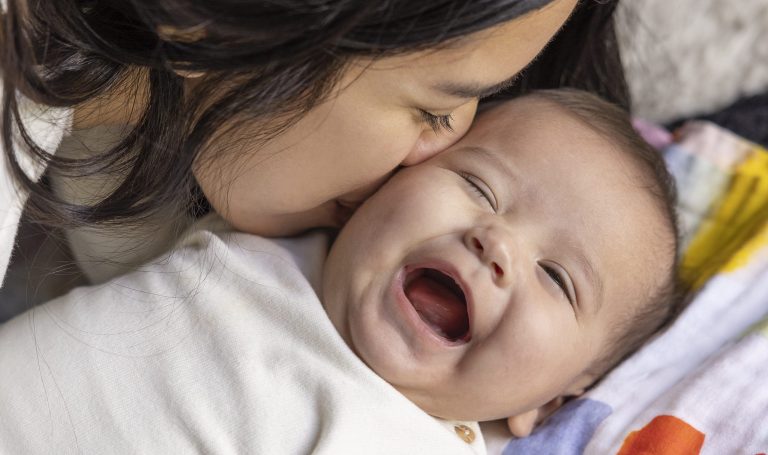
(531, 337)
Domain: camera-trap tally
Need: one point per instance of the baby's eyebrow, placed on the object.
(495, 160)
(570, 252)
(592, 276)
(572, 249)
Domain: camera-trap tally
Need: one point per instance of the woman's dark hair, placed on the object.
(271, 59)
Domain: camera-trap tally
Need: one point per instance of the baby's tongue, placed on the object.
(438, 306)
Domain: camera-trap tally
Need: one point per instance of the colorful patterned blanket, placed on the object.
(700, 387)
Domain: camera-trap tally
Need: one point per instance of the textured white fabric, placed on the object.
(699, 371)
(223, 348)
(685, 57)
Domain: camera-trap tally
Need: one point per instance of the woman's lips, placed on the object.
(343, 212)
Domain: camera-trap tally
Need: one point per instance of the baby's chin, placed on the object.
(449, 406)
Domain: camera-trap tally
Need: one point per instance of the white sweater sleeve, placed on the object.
(223, 348)
(47, 127)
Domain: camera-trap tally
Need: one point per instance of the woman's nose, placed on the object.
(493, 246)
(431, 142)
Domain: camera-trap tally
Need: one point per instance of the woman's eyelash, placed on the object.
(558, 279)
(482, 192)
(438, 123)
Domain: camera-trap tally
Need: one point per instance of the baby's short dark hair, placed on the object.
(664, 303)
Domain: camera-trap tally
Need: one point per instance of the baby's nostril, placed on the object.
(477, 245)
(498, 270)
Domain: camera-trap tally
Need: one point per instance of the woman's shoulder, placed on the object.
(260, 258)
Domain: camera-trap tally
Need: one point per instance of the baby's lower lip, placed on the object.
(413, 319)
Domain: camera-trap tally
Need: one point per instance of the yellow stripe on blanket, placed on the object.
(745, 254)
(735, 229)
(763, 328)
(760, 327)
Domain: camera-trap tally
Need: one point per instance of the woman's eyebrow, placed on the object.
(472, 89)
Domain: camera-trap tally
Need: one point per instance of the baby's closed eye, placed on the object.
(480, 188)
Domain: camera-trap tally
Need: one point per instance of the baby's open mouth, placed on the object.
(440, 302)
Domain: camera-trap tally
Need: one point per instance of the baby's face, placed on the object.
(486, 281)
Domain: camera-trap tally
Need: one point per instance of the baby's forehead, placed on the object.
(545, 129)
(524, 109)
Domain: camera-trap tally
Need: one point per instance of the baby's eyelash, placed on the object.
(558, 279)
(438, 123)
(480, 190)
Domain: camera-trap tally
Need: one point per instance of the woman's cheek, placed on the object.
(463, 119)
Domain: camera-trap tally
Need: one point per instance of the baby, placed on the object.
(514, 269)
(492, 281)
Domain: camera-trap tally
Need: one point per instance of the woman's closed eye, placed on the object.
(482, 190)
(560, 279)
(438, 123)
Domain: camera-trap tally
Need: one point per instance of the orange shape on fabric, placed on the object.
(664, 435)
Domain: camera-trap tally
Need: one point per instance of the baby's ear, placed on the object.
(523, 424)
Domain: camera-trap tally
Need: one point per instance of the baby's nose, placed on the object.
(493, 248)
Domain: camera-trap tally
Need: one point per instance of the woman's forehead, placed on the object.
(484, 59)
